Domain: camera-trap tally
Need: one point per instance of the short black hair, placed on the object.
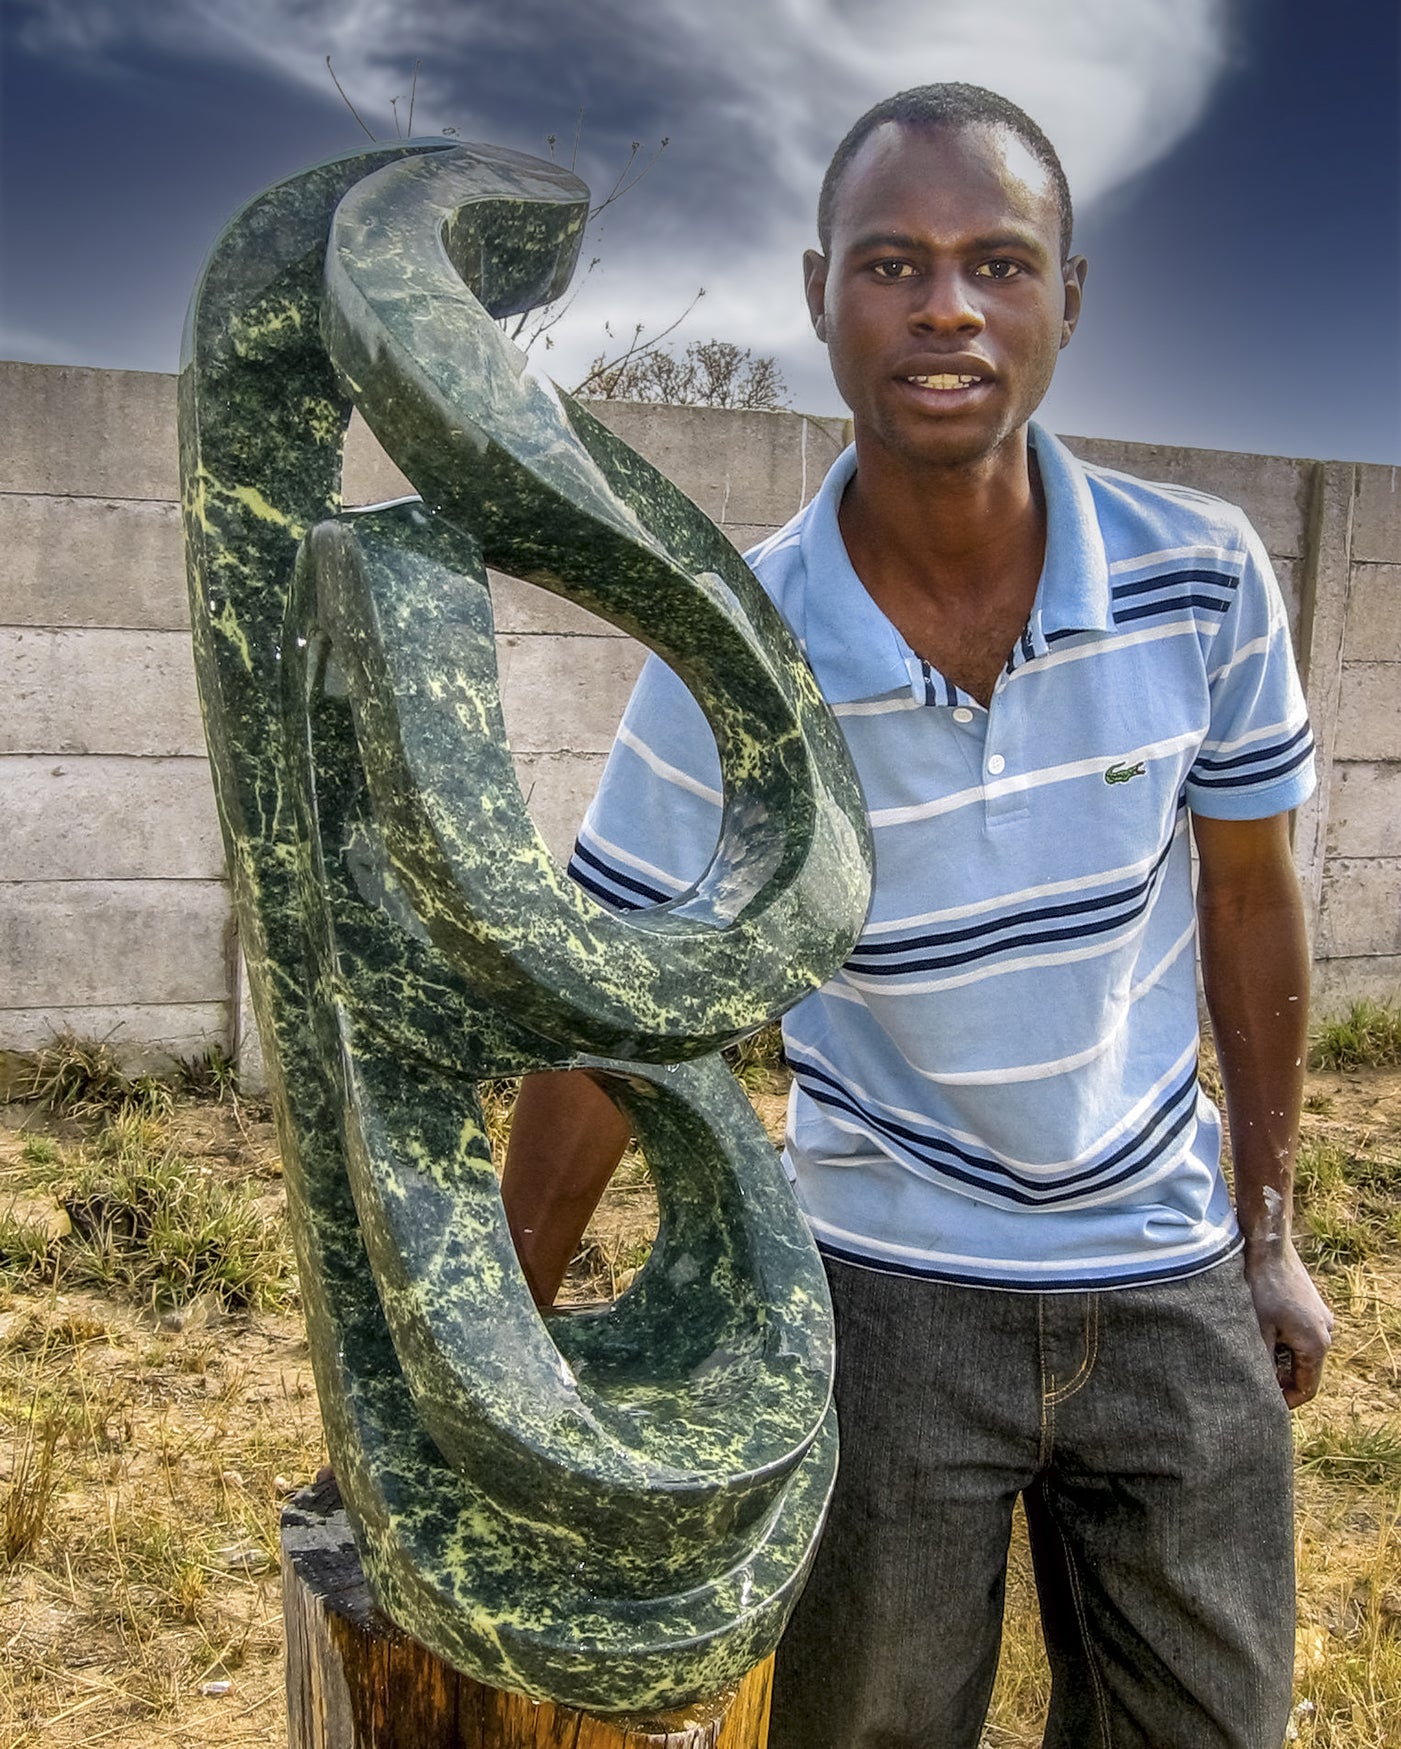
(949, 105)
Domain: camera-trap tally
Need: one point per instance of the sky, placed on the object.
(1236, 166)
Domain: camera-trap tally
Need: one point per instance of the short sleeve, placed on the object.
(653, 825)
(1257, 759)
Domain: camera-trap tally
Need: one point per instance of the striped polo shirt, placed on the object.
(999, 1087)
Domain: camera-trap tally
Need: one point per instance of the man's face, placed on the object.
(943, 299)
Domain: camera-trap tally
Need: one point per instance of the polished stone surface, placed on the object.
(613, 1509)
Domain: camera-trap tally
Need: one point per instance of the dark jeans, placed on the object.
(1148, 1437)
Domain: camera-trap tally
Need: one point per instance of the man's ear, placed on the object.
(1074, 275)
(815, 290)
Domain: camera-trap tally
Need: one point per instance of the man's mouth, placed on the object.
(944, 381)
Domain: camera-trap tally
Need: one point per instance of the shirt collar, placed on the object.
(854, 650)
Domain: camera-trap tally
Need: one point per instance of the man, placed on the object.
(1040, 1287)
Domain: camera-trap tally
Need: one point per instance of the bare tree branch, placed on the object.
(602, 369)
(709, 373)
(344, 99)
(626, 184)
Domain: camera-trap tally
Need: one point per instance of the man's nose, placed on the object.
(949, 304)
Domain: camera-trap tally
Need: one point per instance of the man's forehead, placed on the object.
(977, 165)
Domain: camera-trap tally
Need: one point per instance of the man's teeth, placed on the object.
(945, 382)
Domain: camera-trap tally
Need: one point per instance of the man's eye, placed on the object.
(999, 269)
(892, 269)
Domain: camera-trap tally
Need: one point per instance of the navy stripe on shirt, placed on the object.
(983, 1171)
(1249, 779)
(1018, 919)
(1136, 898)
(1257, 755)
(1174, 580)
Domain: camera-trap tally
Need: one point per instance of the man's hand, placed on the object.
(1256, 971)
(1296, 1324)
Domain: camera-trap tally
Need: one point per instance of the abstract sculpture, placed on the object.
(612, 1509)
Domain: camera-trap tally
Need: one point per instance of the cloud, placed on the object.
(754, 94)
(1116, 83)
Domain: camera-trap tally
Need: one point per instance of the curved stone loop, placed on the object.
(674, 1450)
(442, 387)
(614, 1510)
(522, 1558)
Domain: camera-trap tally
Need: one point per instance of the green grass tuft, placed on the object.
(83, 1078)
(1321, 1169)
(1368, 1036)
(1368, 1457)
(154, 1226)
(1347, 1201)
(757, 1061)
(1333, 1240)
(212, 1076)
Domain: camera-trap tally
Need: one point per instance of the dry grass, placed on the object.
(150, 1419)
(127, 1211)
(147, 1434)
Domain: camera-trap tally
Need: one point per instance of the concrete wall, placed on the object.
(114, 913)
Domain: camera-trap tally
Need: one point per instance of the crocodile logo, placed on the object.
(1123, 773)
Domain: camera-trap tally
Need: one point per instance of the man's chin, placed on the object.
(947, 447)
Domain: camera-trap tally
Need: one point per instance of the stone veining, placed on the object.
(612, 1509)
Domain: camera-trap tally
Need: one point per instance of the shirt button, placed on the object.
(996, 763)
(963, 715)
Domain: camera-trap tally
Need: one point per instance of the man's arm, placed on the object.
(1256, 971)
(567, 1136)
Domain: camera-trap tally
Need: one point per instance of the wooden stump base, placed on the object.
(355, 1681)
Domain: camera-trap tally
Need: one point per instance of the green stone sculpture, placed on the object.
(612, 1509)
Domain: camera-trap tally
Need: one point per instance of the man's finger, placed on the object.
(1300, 1374)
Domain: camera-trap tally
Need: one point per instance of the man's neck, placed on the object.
(951, 554)
(947, 527)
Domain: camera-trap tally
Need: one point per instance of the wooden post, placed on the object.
(355, 1681)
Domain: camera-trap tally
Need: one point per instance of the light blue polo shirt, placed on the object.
(999, 1086)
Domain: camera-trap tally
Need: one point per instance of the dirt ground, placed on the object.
(143, 1610)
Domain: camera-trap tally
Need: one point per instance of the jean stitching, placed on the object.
(1048, 1389)
(1077, 1597)
(1091, 1354)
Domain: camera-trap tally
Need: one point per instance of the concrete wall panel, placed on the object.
(94, 943)
(1291, 586)
(369, 476)
(1369, 712)
(115, 912)
(86, 433)
(1374, 614)
(1361, 910)
(1365, 816)
(69, 692)
(565, 694)
(749, 534)
(1337, 984)
(108, 819)
(1376, 533)
(91, 562)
